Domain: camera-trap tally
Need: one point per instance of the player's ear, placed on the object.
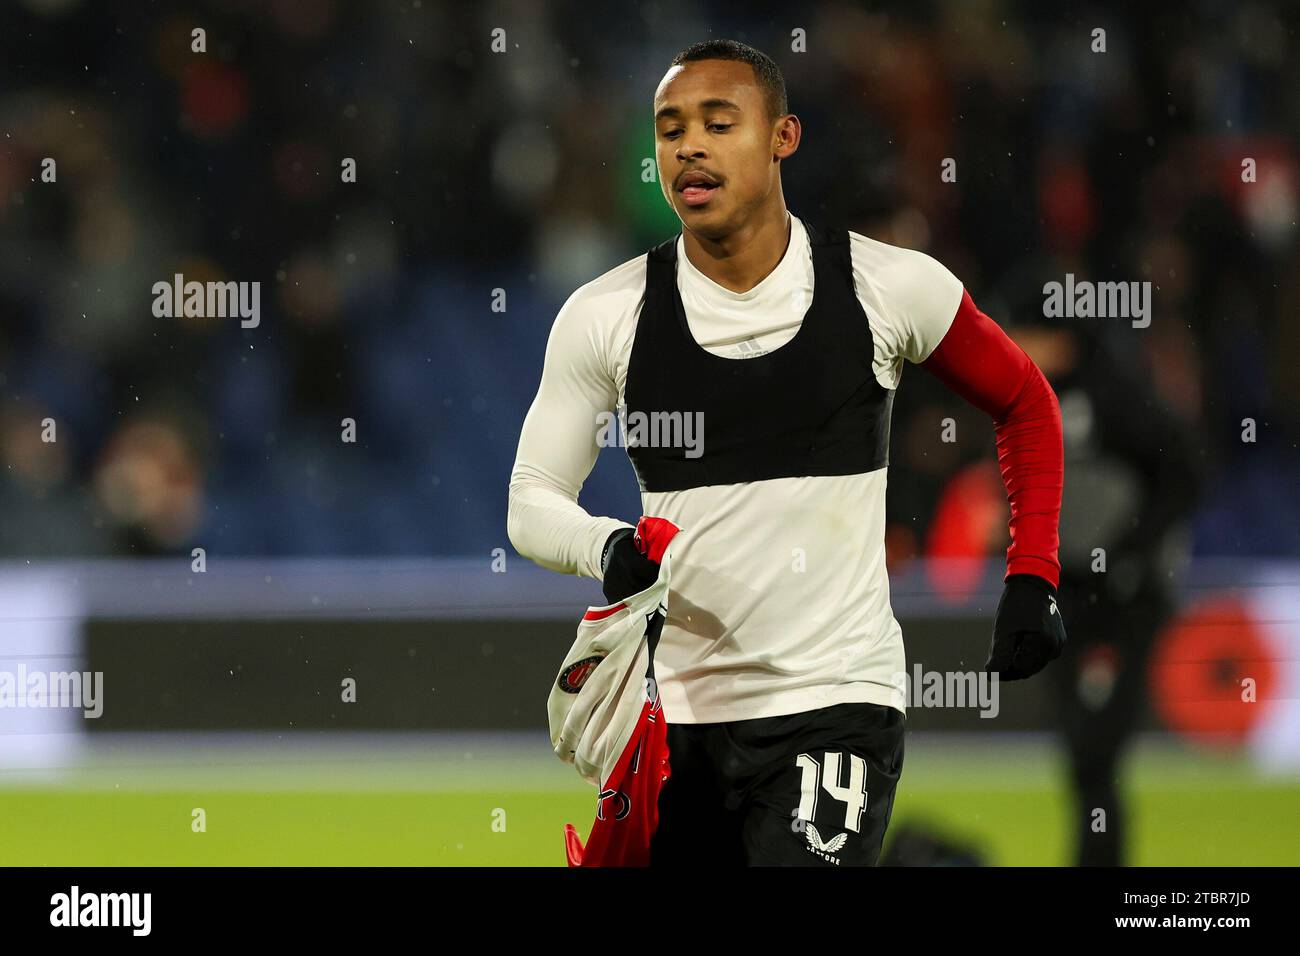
(786, 136)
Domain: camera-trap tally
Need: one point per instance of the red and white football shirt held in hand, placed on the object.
(606, 717)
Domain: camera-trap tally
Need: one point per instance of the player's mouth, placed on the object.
(697, 188)
(698, 195)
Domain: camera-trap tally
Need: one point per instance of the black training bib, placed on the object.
(811, 407)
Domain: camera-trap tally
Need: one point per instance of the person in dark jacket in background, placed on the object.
(1135, 472)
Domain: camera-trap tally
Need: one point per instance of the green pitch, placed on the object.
(410, 803)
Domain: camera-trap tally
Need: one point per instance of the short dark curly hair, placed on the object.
(768, 74)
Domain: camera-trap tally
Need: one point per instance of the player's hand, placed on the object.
(1028, 632)
(627, 569)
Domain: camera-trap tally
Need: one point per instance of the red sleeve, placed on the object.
(979, 362)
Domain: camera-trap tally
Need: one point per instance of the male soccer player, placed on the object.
(778, 664)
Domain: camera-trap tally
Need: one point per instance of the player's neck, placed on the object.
(746, 257)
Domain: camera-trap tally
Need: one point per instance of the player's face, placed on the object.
(710, 119)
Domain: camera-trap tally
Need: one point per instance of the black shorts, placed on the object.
(808, 789)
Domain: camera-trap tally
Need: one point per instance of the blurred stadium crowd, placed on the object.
(522, 171)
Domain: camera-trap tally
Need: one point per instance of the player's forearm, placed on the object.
(553, 530)
(979, 362)
(1030, 457)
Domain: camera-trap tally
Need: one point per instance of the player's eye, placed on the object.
(669, 134)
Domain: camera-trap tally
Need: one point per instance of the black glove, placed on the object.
(1028, 632)
(627, 571)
